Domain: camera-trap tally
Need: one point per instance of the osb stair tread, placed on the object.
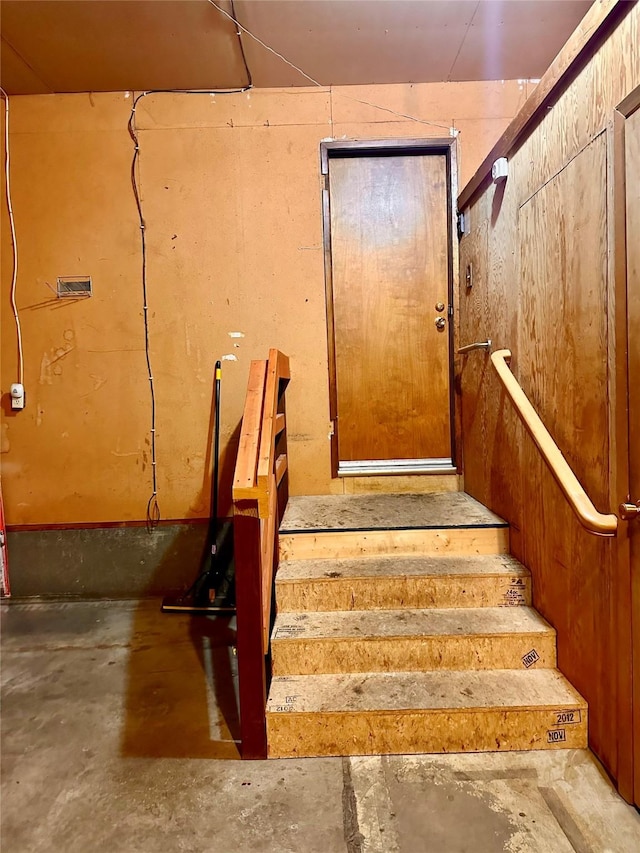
(417, 623)
(394, 582)
(425, 691)
(438, 510)
(343, 544)
(491, 565)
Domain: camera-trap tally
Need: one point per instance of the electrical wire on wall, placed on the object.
(232, 17)
(14, 244)
(242, 53)
(153, 507)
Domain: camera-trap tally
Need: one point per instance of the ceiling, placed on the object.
(116, 45)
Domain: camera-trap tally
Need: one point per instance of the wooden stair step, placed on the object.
(424, 712)
(343, 526)
(417, 639)
(338, 544)
(396, 582)
(326, 513)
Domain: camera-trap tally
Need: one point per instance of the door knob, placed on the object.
(441, 323)
(628, 511)
(439, 306)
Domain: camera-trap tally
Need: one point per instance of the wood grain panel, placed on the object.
(632, 163)
(585, 41)
(564, 314)
(492, 432)
(474, 325)
(390, 268)
(563, 368)
(546, 269)
(585, 108)
(619, 442)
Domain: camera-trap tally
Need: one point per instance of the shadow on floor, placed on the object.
(181, 693)
(180, 698)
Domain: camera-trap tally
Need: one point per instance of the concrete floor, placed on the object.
(118, 726)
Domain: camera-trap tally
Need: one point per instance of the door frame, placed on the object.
(627, 591)
(363, 147)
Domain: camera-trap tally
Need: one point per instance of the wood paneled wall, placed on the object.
(541, 253)
(231, 190)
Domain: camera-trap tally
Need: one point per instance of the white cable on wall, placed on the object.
(14, 244)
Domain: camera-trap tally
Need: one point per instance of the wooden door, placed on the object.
(632, 185)
(390, 274)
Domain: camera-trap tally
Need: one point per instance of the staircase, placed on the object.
(404, 626)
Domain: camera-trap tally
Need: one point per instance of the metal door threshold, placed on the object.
(363, 467)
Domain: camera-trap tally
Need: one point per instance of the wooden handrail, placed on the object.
(261, 426)
(260, 493)
(277, 373)
(245, 477)
(592, 520)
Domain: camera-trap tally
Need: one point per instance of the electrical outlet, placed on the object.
(17, 396)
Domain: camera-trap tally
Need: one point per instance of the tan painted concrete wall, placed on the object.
(232, 201)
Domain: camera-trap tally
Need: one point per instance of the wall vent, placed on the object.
(74, 287)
